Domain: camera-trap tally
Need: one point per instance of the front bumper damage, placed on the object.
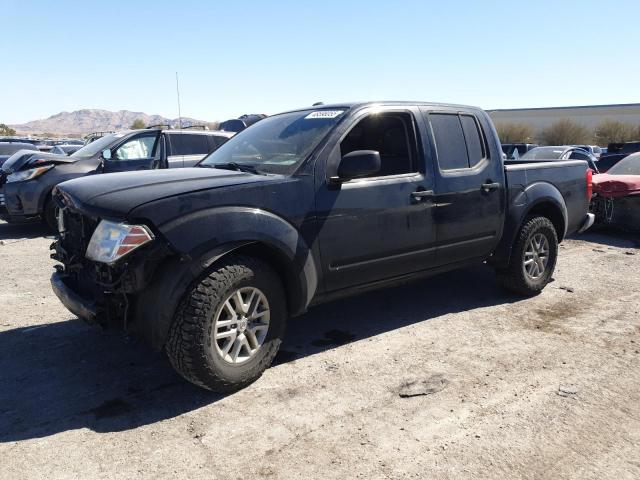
(12, 209)
(83, 308)
(620, 212)
(96, 292)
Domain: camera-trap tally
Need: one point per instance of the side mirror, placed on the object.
(106, 154)
(358, 164)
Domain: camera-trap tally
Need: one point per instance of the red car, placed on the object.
(616, 199)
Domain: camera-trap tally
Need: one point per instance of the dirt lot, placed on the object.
(547, 387)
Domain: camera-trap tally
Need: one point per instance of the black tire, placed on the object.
(49, 215)
(190, 345)
(515, 278)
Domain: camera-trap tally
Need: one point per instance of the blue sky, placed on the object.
(238, 57)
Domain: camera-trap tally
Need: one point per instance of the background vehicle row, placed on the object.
(26, 180)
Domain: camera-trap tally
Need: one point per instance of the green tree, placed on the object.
(565, 132)
(514, 132)
(6, 130)
(137, 124)
(614, 131)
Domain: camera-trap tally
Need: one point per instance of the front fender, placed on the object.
(205, 236)
(207, 229)
(195, 233)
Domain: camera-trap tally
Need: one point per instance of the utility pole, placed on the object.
(178, 92)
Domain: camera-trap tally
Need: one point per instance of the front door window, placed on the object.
(137, 148)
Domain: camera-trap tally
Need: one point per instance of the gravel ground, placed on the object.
(445, 378)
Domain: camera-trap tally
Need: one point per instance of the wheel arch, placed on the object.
(266, 238)
(552, 211)
(542, 199)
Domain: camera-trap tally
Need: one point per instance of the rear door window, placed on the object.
(449, 140)
(459, 141)
(188, 144)
(475, 147)
(215, 141)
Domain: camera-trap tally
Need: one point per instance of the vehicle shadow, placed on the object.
(67, 375)
(610, 237)
(17, 231)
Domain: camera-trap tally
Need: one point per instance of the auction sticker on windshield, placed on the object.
(325, 114)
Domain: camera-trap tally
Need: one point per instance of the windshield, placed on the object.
(627, 166)
(94, 147)
(543, 153)
(277, 144)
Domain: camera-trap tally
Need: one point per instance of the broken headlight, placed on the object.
(111, 241)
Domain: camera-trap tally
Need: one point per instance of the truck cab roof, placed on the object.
(401, 103)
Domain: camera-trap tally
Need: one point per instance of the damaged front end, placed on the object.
(103, 265)
(620, 211)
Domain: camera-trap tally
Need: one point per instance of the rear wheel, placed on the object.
(229, 326)
(533, 258)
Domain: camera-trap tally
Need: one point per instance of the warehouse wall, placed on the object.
(589, 116)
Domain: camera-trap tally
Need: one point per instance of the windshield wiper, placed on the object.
(240, 167)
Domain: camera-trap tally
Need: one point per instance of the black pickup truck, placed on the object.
(300, 208)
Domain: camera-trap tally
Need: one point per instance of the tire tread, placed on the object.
(185, 345)
(513, 278)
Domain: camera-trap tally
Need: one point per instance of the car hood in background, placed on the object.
(616, 185)
(116, 194)
(22, 157)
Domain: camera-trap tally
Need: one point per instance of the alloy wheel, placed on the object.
(536, 256)
(241, 325)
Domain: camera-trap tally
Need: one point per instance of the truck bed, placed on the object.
(568, 177)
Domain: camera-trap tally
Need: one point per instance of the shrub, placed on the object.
(6, 130)
(565, 132)
(614, 131)
(137, 124)
(515, 132)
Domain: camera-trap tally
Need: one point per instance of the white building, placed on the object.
(589, 115)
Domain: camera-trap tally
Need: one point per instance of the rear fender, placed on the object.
(538, 198)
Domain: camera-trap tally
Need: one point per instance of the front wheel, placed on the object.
(229, 326)
(49, 215)
(533, 258)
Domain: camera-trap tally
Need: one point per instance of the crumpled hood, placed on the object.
(116, 194)
(20, 159)
(616, 185)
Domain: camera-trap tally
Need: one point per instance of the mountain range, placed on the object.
(81, 122)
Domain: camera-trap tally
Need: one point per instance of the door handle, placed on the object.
(420, 195)
(488, 187)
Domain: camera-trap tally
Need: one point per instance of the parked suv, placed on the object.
(616, 152)
(513, 151)
(208, 263)
(27, 181)
(236, 125)
(559, 153)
